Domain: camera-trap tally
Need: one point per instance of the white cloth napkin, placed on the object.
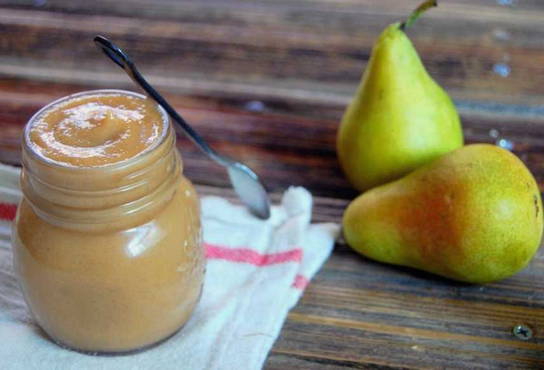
(256, 272)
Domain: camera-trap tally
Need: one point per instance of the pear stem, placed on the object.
(417, 12)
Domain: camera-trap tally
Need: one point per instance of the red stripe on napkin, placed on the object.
(301, 282)
(7, 211)
(250, 256)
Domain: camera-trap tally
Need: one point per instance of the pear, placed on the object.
(473, 215)
(400, 117)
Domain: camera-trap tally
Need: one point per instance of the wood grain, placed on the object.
(306, 50)
(267, 82)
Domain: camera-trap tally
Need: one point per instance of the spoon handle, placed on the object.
(122, 60)
(244, 181)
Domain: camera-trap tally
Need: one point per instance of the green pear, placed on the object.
(400, 117)
(473, 215)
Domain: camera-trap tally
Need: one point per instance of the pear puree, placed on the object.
(96, 130)
(109, 258)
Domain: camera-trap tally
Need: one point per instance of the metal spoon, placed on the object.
(244, 181)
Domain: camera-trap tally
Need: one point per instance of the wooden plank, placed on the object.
(363, 312)
(313, 49)
(282, 148)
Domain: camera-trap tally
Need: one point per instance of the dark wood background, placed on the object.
(267, 82)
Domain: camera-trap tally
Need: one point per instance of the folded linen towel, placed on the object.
(256, 272)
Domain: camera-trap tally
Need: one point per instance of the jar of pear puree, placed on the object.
(107, 240)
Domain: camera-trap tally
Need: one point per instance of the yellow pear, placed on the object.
(473, 215)
(400, 117)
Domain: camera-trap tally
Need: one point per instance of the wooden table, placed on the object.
(266, 82)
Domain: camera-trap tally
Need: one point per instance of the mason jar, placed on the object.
(109, 257)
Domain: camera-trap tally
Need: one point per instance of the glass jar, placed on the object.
(109, 258)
